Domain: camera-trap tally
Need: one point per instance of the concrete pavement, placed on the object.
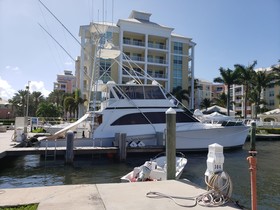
(116, 196)
(6, 142)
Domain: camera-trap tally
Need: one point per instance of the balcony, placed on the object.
(157, 46)
(156, 74)
(134, 58)
(134, 42)
(157, 60)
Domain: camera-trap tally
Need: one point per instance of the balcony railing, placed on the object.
(134, 42)
(134, 58)
(157, 75)
(157, 60)
(157, 46)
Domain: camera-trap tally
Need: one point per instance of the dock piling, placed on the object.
(253, 166)
(121, 139)
(69, 155)
(171, 143)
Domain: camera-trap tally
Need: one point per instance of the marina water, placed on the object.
(33, 171)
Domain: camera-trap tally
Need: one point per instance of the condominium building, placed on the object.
(271, 94)
(206, 90)
(203, 91)
(65, 82)
(153, 49)
(237, 104)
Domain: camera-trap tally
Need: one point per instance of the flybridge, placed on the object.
(133, 91)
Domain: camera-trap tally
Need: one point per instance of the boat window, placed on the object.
(153, 92)
(151, 117)
(117, 91)
(133, 92)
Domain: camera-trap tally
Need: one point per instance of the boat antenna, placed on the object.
(56, 42)
(60, 22)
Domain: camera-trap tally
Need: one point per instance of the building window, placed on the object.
(126, 40)
(178, 48)
(105, 70)
(271, 93)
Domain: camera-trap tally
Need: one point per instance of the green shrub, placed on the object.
(21, 207)
(39, 130)
(268, 130)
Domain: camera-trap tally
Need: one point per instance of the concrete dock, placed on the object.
(6, 142)
(100, 196)
(118, 196)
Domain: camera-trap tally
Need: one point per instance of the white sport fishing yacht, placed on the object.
(138, 110)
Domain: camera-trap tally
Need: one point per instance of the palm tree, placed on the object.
(78, 100)
(276, 68)
(228, 77)
(69, 105)
(221, 100)
(245, 78)
(205, 103)
(56, 97)
(19, 102)
(260, 81)
(180, 94)
(46, 109)
(36, 98)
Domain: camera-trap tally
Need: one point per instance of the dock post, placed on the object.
(121, 139)
(69, 155)
(253, 166)
(171, 143)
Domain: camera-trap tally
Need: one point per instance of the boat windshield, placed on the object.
(139, 92)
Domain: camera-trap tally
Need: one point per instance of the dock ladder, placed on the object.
(48, 154)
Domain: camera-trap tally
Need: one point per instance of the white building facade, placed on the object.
(154, 49)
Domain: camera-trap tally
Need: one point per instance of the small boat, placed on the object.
(155, 169)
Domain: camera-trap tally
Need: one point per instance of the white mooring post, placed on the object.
(170, 143)
(215, 160)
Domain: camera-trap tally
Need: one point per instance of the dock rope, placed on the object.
(219, 188)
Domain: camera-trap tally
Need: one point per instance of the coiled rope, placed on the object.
(219, 188)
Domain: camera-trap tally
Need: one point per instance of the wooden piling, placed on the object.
(69, 155)
(253, 166)
(121, 139)
(171, 143)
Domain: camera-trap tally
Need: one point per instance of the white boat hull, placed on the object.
(155, 169)
(192, 139)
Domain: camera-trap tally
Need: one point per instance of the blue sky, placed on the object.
(227, 32)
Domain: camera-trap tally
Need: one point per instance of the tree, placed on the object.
(56, 97)
(35, 99)
(245, 79)
(276, 68)
(46, 109)
(69, 105)
(260, 80)
(19, 103)
(228, 77)
(78, 100)
(221, 100)
(180, 94)
(205, 103)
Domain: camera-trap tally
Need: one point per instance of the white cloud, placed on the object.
(13, 68)
(38, 86)
(6, 90)
(68, 63)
